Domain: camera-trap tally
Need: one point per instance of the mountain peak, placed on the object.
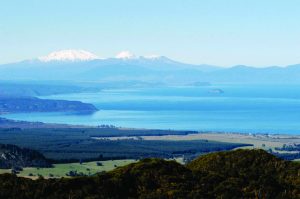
(69, 55)
(125, 55)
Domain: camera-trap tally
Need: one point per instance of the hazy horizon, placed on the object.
(135, 56)
(222, 33)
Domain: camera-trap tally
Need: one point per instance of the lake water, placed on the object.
(240, 108)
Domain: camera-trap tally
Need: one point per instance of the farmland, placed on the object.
(63, 170)
(65, 145)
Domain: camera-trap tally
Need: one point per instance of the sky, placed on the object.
(218, 32)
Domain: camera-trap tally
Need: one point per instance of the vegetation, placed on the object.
(289, 151)
(33, 88)
(73, 144)
(248, 174)
(61, 170)
(234, 174)
(9, 104)
(16, 158)
(288, 156)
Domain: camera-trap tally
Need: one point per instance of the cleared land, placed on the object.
(284, 146)
(72, 144)
(86, 168)
(257, 140)
(61, 170)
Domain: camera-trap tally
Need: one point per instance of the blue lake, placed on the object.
(240, 108)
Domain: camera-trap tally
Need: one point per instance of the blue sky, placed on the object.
(219, 32)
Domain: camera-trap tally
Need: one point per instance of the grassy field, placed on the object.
(60, 170)
(258, 141)
(87, 168)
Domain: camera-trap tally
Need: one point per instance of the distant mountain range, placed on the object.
(83, 66)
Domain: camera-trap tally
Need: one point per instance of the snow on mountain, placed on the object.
(125, 55)
(69, 55)
(81, 55)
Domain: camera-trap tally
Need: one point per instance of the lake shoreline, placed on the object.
(259, 140)
(10, 123)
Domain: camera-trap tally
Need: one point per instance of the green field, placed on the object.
(256, 141)
(60, 170)
(87, 168)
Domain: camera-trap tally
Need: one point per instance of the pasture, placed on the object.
(61, 170)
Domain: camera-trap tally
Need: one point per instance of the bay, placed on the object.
(222, 108)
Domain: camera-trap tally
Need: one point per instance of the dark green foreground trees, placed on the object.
(234, 174)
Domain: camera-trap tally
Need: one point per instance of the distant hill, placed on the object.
(12, 156)
(17, 126)
(38, 88)
(234, 174)
(247, 74)
(10, 104)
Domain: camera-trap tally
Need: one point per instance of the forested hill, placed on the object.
(234, 174)
(14, 157)
(10, 104)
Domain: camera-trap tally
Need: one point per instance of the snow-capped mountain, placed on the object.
(69, 55)
(83, 66)
(82, 55)
(125, 55)
(79, 65)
